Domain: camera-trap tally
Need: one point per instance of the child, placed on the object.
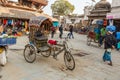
(110, 43)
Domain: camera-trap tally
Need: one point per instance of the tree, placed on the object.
(62, 7)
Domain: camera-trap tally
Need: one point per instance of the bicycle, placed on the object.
(68, 58)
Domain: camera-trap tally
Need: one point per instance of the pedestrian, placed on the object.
(52, 31)
(102, 35)
(61, 31)
(109, 45)
(71, 32)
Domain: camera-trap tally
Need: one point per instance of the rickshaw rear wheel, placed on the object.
(29, 53)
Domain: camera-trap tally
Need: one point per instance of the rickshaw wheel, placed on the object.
(46, 52)
(69, 61)
(29, 53)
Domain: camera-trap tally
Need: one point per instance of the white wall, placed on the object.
(115, 3)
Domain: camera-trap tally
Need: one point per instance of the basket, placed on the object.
(7, 41)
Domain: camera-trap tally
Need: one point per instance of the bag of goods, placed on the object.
(118, 45)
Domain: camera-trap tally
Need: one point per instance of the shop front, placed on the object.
(15, 20)
(116, 19)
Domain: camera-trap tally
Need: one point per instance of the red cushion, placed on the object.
(52, 42)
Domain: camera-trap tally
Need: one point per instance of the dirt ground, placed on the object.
(89, 64)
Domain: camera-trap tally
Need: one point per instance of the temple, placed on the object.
(100, 10)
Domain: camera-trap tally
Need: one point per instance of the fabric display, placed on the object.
(23, 24)
(26, 25)
(4, 21)
(10, 22)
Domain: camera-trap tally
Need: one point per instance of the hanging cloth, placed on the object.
(1, 29)
(4, 21)
(23, 24)
(26, 25)
(9, 22)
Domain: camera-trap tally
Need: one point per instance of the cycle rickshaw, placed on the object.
(94, 32)
(43, 45)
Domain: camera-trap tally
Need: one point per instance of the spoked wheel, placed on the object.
(45, 51)
(29, 54)
(69, 61)
(88, 41)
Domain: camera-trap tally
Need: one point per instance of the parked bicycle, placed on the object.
(56, 49)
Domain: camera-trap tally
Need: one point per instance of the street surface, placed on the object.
(89, 64)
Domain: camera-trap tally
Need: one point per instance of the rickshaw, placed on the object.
(91, 36)
(43, 45)
(94, 32)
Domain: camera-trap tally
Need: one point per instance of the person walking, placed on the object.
(61, 31)
(71, 32)
(109, 45)
(52, 31)
(102, 36)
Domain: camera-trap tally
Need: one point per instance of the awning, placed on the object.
(50, 17)
(55, 24)
(7, 12)
(37, 20)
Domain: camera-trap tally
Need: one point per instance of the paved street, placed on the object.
(88, 67)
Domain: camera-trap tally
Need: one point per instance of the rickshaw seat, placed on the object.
(52, 42)
(41, 38)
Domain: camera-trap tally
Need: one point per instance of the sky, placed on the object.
(79, 5)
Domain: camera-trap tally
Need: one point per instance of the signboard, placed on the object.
(113, 16)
